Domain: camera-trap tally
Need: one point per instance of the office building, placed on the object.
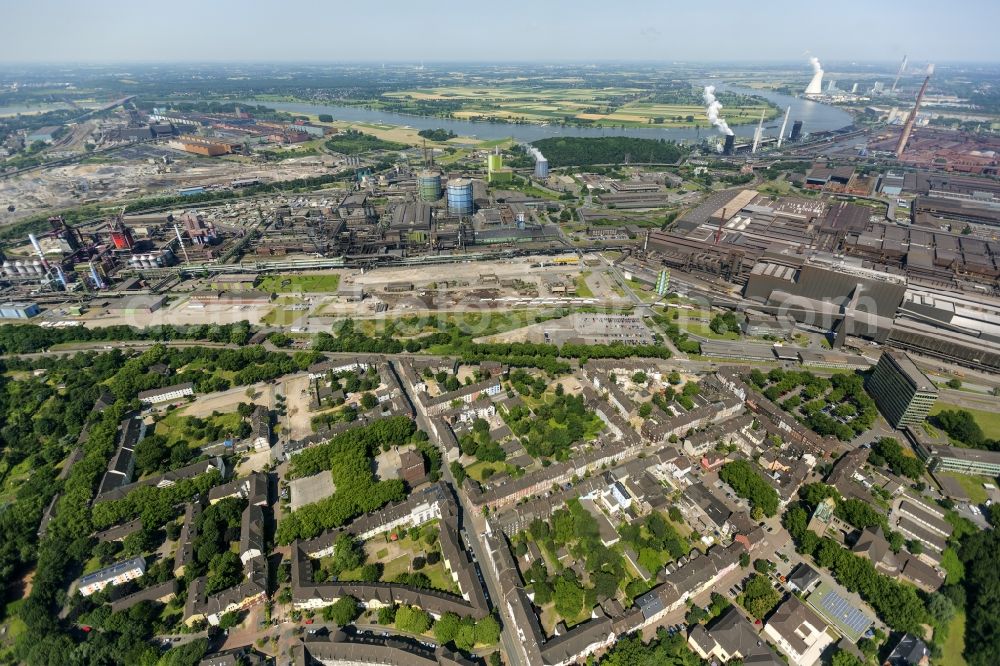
(901, 391)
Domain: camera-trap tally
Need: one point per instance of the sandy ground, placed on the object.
(227, 401)
(124, 174)
(179, 313)
(310, 489)
(297, 399)
(254, 462)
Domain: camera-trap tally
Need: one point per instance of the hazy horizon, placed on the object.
(311, 32)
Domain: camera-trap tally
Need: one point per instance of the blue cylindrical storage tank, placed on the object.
(460, 196)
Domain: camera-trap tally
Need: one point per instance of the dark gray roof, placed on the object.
(803, 576)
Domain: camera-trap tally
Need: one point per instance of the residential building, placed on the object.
(260, 428)
(798, 632)
(909, 651)
(732, 637)
(252, 488)
(166, 394)
(251, 591)
(251, 533)
(902, 392)
(161, 593)
(116, 574)
(803, 579)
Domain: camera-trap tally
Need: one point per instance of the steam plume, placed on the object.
(815, 86)
(712, 109)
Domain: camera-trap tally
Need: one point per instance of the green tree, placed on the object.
(487, 631)
(568, 597)
(412, 619)
(343, 611)
(446, 628)
(368, 400)
(759, 597)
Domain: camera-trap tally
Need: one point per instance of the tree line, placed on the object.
(578, 151)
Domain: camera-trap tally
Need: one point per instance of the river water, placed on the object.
(815, 117)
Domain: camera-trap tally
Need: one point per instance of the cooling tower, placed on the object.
(815, 86)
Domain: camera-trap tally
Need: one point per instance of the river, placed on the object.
(815, 117)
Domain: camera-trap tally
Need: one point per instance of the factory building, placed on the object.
(203, 146)
(45, 135)
(901, 391)
(411, 224)
(18, 310)
(841, 297)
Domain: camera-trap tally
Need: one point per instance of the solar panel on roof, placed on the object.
(841, 609)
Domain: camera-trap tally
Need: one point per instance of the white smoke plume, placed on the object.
(817, 69)
(712, 109)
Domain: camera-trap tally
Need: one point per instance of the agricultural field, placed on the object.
(618, 106)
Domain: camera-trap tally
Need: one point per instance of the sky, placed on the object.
(99, 31)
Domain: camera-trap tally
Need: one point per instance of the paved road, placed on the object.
(474, 526)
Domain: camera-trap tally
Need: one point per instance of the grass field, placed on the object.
(176, 429)
(298, 284)
(12, 479)
(282, 316)
(972, 485)
(476, 469)
(988, 421)
(583, 290)
(692, 322)
(955, 645)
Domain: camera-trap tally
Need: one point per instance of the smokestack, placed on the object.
(712, 109)
(727, 149)
(904, 137)
(815, 86)
(902, 68)
(784, 125)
